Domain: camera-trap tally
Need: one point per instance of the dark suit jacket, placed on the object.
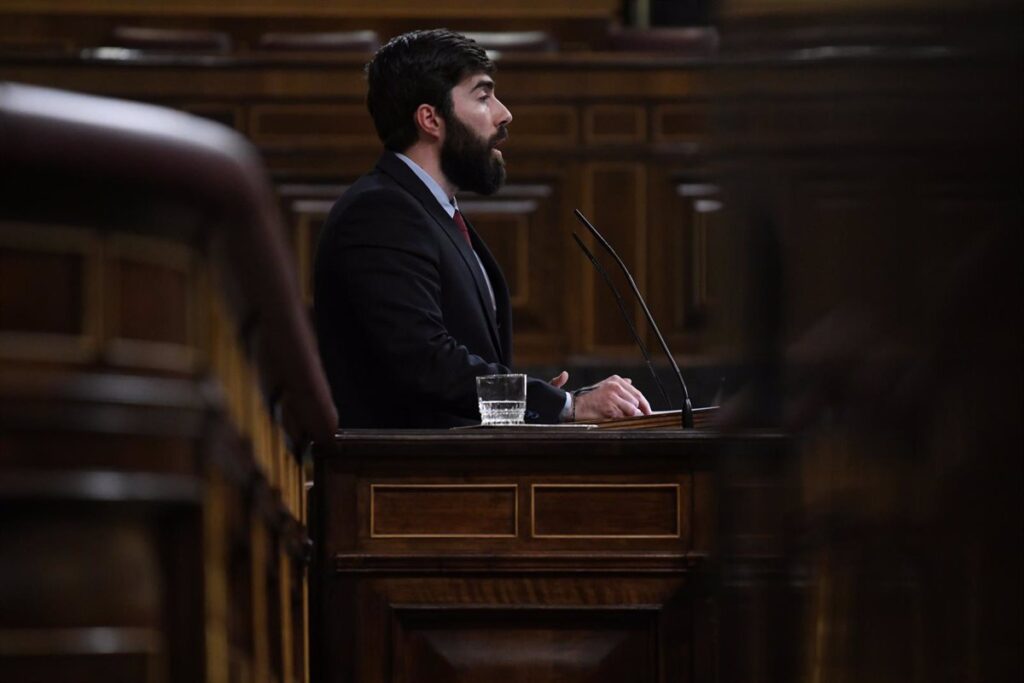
(403, 315)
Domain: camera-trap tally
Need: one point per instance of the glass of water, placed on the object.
(502, 399)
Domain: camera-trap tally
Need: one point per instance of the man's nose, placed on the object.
(505, 116)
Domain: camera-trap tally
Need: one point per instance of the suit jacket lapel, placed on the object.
(403, 175)
(501, 295)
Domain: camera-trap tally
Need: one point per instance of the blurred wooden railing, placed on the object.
(159, 384)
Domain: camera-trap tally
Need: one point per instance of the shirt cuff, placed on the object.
(567, 412)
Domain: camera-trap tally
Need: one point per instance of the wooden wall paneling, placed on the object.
(520, 224)
(574, 267)
(306, 206)
(669, 255)
(680, 122)
(313, 129)
(614, 124)
(327, 164)
(684, 249)
(542, 127)
(308, 222)
(41, 33)
(505, 225)
(34, 35)
(225, 113)
(616, 200)
(318, 8)
(61, 320)
(317, 125)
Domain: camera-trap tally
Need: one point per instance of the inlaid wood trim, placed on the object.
(596, 562)
(675, 487)
(374, 488)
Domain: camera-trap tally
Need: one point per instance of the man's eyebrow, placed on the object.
(484, 84)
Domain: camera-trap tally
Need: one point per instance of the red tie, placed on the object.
(460, 223)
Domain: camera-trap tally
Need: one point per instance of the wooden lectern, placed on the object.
(545, 554)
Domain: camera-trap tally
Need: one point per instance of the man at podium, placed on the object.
(410, 306)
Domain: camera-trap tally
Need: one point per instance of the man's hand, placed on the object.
(610, 398)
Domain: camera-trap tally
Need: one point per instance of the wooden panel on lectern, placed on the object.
(443, 510)
(608, 577)
(606, 510)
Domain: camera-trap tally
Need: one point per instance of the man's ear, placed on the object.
(429, 121)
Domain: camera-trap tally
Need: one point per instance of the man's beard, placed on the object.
(467, 161)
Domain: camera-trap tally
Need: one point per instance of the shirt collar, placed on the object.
(447, 203)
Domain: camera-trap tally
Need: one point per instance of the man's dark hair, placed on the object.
(420, 67)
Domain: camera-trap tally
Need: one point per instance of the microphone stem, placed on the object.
(687, 411)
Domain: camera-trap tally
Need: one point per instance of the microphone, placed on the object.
(687, 411)
(625, 316)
